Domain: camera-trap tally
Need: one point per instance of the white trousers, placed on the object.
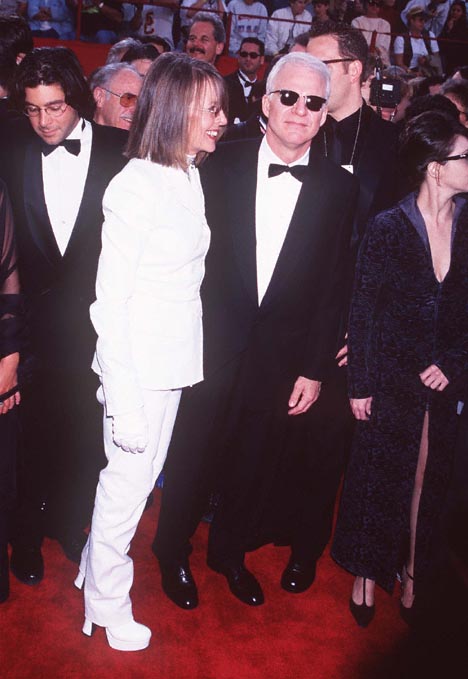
(123, 488)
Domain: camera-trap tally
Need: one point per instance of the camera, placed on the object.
(385, 92)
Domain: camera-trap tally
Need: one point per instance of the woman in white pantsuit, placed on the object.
(148, 319)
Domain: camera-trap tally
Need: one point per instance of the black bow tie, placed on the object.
(71, 145)
(299, 172)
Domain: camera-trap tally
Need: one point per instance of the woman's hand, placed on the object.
(8, 381)
(434, 378)
(361, 407)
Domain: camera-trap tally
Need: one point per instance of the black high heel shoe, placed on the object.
(407, 613)
(362, 613)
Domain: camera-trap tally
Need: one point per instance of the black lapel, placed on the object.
(35, 207)
(241, 178)
(304, 228)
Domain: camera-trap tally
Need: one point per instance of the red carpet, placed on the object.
(306, 636)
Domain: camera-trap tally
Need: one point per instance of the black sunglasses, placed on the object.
(289, 98)
(337, 61)
(252, 55)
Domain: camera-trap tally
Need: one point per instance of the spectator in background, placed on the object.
(249, 20)
(150, 20)
(117, 51)
(161, 44)
(284, 25)
(436, 12)
(321, 12)
(189, 8)
(141, 57)
(15, 37)
(100, 20)
(414, 49)
(457, 92)
(240, 83)
(375, 30)
(206, 37)
(9, 8)
(115, 89)
(454, 54)
(51, 19)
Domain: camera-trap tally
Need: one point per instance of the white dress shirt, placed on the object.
(275, 203)
(64, 176)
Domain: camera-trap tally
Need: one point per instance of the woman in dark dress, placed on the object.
(408, 345)
(10, 339)
(454, 38)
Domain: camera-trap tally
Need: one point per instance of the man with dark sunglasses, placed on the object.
(57, 165)
(240, 83)
(115, 89)
(272, 300)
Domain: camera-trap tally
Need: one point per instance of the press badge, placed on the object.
(349, 168)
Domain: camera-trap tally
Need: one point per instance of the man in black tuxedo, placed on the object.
(240, 83)
(356, 138)
(57, 167)
(272, 300)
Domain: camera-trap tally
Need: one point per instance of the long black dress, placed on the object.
(402, 320)
(11, 332)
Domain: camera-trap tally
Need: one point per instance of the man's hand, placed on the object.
(434, 378)
(130, 431)
(304, 394)
(361, 407)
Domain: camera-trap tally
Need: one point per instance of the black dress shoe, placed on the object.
(4, 577)
(73, 544)
(242, 583)
(298, 576)
(178, 584)
(26, 564)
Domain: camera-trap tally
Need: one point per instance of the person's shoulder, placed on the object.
(387, 130)
(112, 136)
(335, 176)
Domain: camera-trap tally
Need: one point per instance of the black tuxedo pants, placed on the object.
(276, 475)
(60, 456)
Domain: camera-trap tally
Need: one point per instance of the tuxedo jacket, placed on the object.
(376, 168)
(59, 289)
(238, 106)
(294, 331)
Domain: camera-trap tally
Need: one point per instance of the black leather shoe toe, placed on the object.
(242, 583)
(26, 564)
(298, 576)
(178, 584)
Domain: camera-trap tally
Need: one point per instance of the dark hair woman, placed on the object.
(453, 40)
(148, 318)
(11, 331)
(408, 343)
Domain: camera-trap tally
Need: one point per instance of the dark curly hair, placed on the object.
(54, 66)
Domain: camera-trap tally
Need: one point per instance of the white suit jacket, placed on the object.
(148, 314)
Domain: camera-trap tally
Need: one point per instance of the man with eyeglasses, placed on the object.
(272, 300)
(240, 83)
(57, 166)
(115, 89)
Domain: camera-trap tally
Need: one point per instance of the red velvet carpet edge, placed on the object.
(305, 636)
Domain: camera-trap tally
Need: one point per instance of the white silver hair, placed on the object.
(300, 59)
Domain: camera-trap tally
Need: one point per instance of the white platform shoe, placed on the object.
(131, 636)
